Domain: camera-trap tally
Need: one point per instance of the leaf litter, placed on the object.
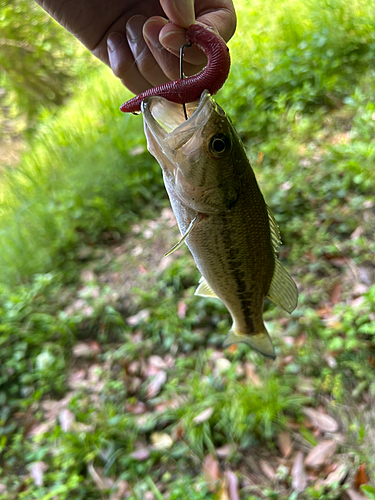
(295, 460)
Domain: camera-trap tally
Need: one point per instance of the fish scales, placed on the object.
(221, 213)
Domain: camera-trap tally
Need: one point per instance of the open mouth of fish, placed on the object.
(166, 121)
(180, 145)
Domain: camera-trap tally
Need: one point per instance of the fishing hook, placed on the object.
(182, 76)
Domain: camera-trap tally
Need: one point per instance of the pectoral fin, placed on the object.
(204, 289)
(191, 226)
(260, 342)
(283, 291)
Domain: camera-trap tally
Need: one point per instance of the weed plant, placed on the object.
(301, 95)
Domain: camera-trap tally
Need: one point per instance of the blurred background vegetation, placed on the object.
(113, 381)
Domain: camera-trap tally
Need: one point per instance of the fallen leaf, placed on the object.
(52, 408)
(321, 453)
(137, 408)
(86, 428)
(41, 429)
(335, 293)
(222, 365)
(301, 340)
(138, 318)
(329, 468)
(232, 348)
(148, 495)
(134, 368)
(323, 421)
(288, 340)
(211, 471)
(181, 309)
(267, 470)
(166, 405)
(285, 186)
(251, 374)
(102, 483)
(37, 471)
(77, 379)
(141, 454)
(66, 419)
(284, 443)
(203, 416)
(351, 494)
(360, 476)
(134, 385)
(121, 492)
(161, 440)
(337, 476)
(225, 451)
(159, 363)
(231, 482)
(86, 349)
(298, 473)
(359, 290)
(156, 384)
(358, 231)
(331, 362)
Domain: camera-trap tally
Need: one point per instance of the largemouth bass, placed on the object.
(221, 213)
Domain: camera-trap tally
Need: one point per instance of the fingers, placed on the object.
(148, 55)
(168, 62)
(179, 12)
(139, 59)
(172, 37)
(122, 63)
(140, 46)
(131, 59)
(217, 14)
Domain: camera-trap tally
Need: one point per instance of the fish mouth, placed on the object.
(166, 121)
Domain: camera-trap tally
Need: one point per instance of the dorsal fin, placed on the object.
(275, 233)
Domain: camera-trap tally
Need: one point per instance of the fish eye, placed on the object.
(219, 145)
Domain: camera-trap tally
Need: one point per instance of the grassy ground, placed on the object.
(113, 380)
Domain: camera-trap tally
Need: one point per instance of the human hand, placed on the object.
(136, 40)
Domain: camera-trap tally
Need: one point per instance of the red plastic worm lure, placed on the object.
(189, 89)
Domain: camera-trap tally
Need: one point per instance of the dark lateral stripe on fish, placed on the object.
(238, 276)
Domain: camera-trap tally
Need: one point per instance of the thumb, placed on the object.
(180, 12)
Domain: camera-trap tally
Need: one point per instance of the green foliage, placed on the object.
(87, 173)
(38, 60)
(300, 93)
(298, 57)
(369, 491)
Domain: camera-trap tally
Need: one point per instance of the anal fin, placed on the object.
(204, 289)
(283, 291)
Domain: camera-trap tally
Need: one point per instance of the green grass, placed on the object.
(301, 95)
(86, 172)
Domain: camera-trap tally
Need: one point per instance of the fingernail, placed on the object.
(151, 31)
(185, 10)
(114, 40)
(134, 27)
(173, 40)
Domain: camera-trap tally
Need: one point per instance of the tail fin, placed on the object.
(261, 342)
